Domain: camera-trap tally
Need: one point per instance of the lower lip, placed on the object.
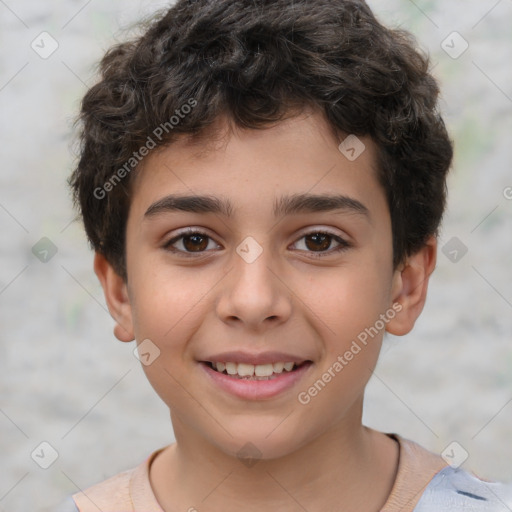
(257, 389)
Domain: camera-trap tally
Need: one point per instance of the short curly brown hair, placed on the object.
(258, 62)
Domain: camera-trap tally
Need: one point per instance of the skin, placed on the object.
(314, 456)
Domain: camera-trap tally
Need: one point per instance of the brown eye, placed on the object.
(317, 243)
(189, 242)
(195, 243)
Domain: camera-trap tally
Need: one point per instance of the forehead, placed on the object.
(255, 169)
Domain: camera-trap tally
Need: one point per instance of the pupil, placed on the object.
(194, 246)
(319, 237)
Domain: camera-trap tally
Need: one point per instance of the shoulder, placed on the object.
(454, 489)
(128, 491)
(103, 495)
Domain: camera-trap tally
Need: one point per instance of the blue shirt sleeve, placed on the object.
(458, 490)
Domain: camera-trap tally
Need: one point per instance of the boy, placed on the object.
(263, 183)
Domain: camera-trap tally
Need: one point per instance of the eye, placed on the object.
(189, 242)
(318, 243)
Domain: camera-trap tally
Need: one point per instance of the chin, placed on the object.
(265, 440)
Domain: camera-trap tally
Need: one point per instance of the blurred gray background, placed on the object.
(65, 380)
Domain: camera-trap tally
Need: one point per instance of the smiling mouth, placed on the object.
(245, 371)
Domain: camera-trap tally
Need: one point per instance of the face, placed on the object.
(284, 257)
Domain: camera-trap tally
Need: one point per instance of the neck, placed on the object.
(349, 465)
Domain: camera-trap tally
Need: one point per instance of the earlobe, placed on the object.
(409, 289)
(116, 296)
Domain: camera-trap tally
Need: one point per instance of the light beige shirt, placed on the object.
(130, 491)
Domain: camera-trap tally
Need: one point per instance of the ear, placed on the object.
(409, 289)
(116, 296)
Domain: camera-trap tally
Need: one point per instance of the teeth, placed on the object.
(264, 370)
(278, 367)
(231, 368)
(251, 370)
(245, 370)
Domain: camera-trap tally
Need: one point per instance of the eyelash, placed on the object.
(344, 245)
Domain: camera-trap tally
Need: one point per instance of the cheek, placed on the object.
(166, 314)
(347, 317)
(347, 300)
(167, 301)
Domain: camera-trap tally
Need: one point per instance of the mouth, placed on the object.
(245, 371)
(263, 381)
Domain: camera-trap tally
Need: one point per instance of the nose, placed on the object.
(253, 294)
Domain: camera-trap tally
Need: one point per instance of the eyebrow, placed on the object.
(285, 205)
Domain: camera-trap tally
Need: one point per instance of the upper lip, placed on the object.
(249, 358)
